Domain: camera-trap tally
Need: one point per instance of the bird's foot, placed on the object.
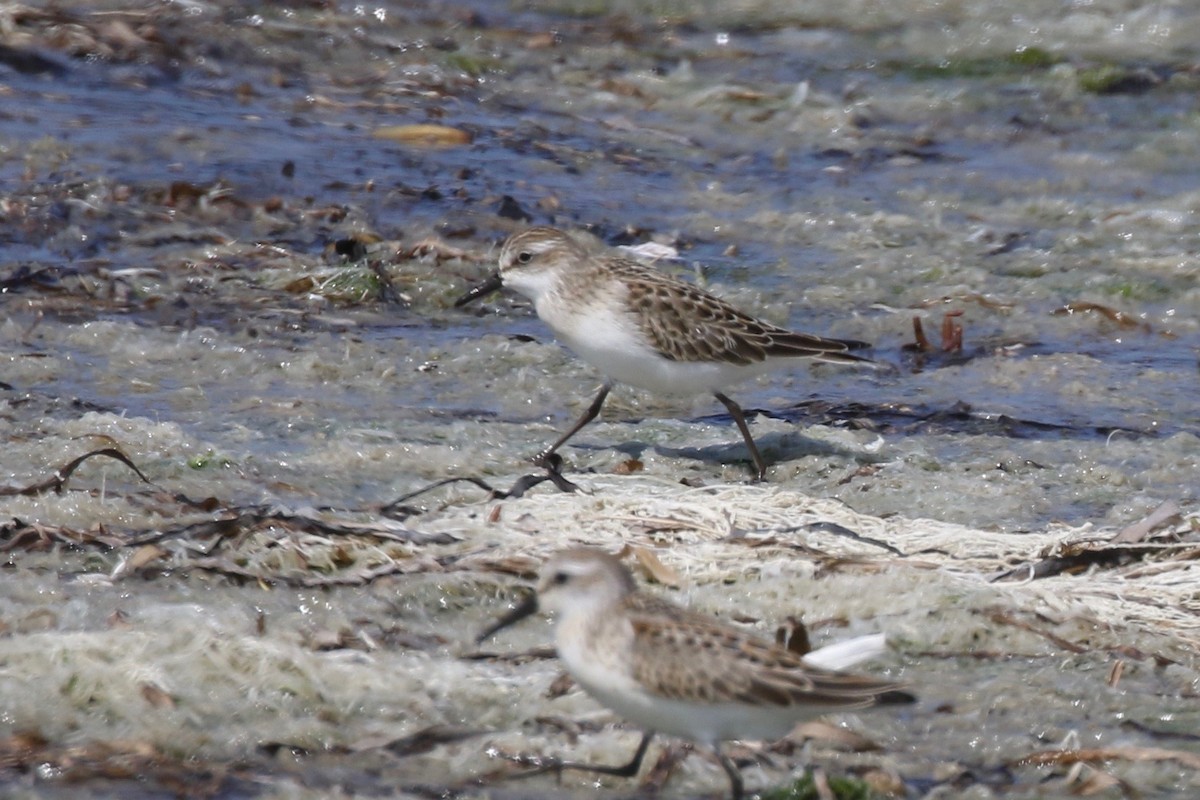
(549, 460)
(553, 463)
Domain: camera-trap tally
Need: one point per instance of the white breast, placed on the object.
(600, 665)
(608, 338)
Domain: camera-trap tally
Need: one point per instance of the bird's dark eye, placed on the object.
(524, 257)
(559, 578)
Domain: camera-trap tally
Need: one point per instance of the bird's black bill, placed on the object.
(525, 608)
(493, 283)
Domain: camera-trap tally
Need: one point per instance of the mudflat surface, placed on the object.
(230, 259)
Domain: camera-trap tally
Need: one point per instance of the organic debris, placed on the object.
(1120, 318)
(1161, 537)
(58, 480)
(951, 333)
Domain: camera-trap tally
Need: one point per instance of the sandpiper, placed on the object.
(677, 672)
(642, 327)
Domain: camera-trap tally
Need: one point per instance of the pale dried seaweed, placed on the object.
(1162, 536)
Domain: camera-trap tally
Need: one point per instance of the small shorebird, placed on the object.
(677, 672)
(642, 327)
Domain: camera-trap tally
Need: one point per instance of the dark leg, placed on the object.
(545, 458)
(735, 411)
(621, 771)
(735, 777)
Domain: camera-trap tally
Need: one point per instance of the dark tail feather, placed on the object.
(895, 698)
(805, 345)
(845, 358)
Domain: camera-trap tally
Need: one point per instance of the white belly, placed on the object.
(602, 670)
(612, 344)
(707, 723)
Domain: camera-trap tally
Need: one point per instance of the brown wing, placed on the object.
(689, 324)
(686, 656)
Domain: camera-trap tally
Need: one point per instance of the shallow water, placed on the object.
(174, 178)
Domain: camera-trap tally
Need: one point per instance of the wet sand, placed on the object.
(228, 259)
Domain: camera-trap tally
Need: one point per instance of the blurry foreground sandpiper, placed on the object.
(685, 674)
(642, 327)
